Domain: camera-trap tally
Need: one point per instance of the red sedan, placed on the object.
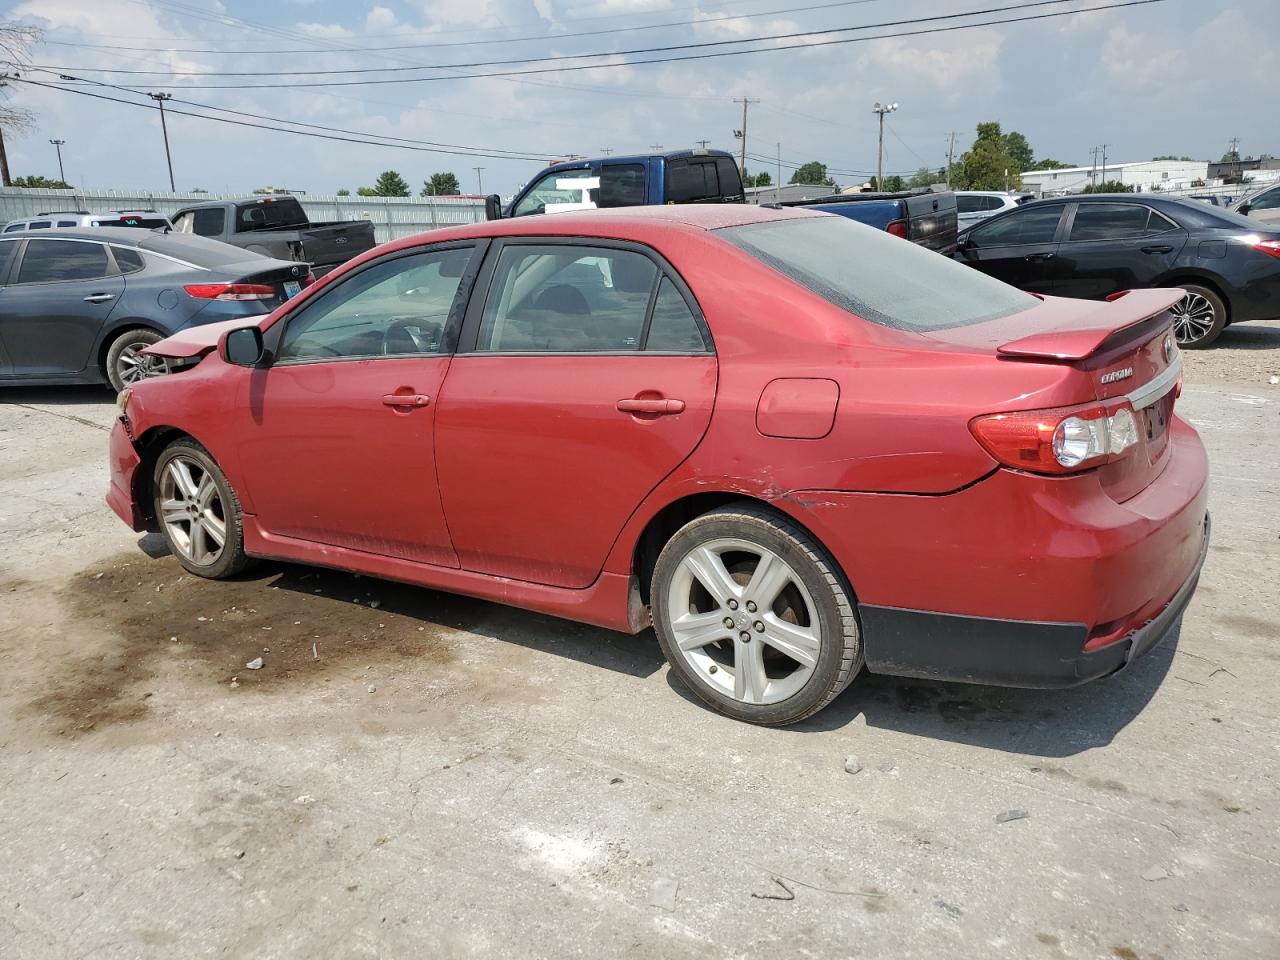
(791, 443)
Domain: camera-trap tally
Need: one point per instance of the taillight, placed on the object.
(308, 280)
(1269, 247)
(1060, 440)
(231, 291)
(898, 228)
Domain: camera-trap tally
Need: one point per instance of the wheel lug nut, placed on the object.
(751, 607)
(733, 604)
(759, 625)
(746, 637)
(728, 622)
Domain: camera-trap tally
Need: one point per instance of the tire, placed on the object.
(193, 503)
(125, 365)
(708, 622)
(1193, 328)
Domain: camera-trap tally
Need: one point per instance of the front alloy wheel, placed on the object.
(754, 616)
(192, 510)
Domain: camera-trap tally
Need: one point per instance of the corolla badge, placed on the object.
(1112, 376)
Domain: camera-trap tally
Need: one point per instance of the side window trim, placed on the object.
(466, 345)
(1063, 229)
(274, 334)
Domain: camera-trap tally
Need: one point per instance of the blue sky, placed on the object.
(1179, 77)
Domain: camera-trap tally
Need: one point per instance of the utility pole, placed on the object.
(777, 191)
(881, 111)
(742, 134)
(1104, 162)
(160, 98)
(655, 147)
(1234, 153)
(4, 156)
(1093, 173)
(606, 150)
(57, 145)
(702, 143)
(951, 150)
(479, 179)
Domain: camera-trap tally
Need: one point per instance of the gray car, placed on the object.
(79, 305)
(1263, 206)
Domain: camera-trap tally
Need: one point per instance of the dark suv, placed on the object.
(1097, 245)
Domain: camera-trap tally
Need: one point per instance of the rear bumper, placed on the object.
(1010, 653)
(124, 464)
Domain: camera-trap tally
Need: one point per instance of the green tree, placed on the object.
(390, 184)
(1231, 156)
(1170, 156)
(1048, 164)
(813, 173)
(43, 182)
(344, 192)
(761, 179)
(894, 183)
(924, 177)
(1109, 186)
(441, 185)
(1018, 149)
(987, 165)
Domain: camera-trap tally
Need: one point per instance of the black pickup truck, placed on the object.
(277, 227)
(921, 216)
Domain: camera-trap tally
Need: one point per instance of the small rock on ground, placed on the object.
(1155, 873)
(852, 764)
(1009, 815)
(255, 664)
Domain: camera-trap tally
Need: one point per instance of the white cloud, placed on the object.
(949, 64)
(1136, 59)
(380, 18)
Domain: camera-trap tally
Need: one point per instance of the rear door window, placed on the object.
(1109, 221)
(6, 258)
(692, 181)
(49, 260)
(1026, 225)
(622, 185)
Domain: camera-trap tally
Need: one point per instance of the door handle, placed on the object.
(661, 408)
(1040, 256)
(99, 297)
(1157, 248)
(406, 400)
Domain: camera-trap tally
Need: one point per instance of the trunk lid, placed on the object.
(325, 244)
(1121, 349)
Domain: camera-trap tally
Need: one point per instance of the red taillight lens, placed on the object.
(231, 291)
(1060, 440)
(1269, 247)
(898, 228)
(308, 280)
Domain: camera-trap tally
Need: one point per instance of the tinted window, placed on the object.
(66, 223)
(1109, 221)
(553, 191)
(145, 223)
(397, 308)
(673, 328)
(691, 181)
(127, 259)
(730, 179)
(874, 275)
(994, 203)
(1026, 225)
(1265, 201)
(567, 299)
(47, 260)
(261, 215)
(966, 204)
(622, 185)
(6, 257)
(15, 227)
(209, 222)
(40, 225)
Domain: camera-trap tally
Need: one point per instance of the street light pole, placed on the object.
(160, 98)
(57, 145)
(881, 110)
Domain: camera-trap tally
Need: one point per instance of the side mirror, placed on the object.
(493, 207)
(1244, 209)
(243, 347)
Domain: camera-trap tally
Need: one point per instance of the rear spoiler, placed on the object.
(1122, 311)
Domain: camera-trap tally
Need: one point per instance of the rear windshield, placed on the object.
(201, 251)
(145, 223)
(877, 276)
(1196, 213)
(270, 215)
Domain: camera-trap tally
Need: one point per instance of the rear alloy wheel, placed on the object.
(754, 617)
(1198, 318)
(127, 364)
(198, 512)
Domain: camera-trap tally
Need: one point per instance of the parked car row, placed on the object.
(1098, 245)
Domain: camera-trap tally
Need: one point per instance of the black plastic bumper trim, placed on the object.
(1008, 653)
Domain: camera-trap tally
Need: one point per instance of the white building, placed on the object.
(1143, 177)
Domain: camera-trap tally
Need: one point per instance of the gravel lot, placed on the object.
(433, 776)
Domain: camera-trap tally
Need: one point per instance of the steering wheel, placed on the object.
(413, 329)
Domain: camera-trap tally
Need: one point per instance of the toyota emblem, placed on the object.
(1170, 349)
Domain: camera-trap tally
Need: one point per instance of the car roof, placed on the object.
(129, 236)
(638, 158)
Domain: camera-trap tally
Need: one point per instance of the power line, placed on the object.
(709, 44)
(475, 43)
(278, 129)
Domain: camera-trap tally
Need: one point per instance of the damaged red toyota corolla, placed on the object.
(790, 442)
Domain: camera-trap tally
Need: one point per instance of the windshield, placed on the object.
(876, 276)
(270, 215)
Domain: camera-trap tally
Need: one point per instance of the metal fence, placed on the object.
(392, 217)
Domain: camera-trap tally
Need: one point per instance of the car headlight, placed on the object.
(122, 399)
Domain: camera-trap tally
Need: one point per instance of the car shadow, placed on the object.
(1038, 723)
(56, 396)
(637, 656)
(1249, 336)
